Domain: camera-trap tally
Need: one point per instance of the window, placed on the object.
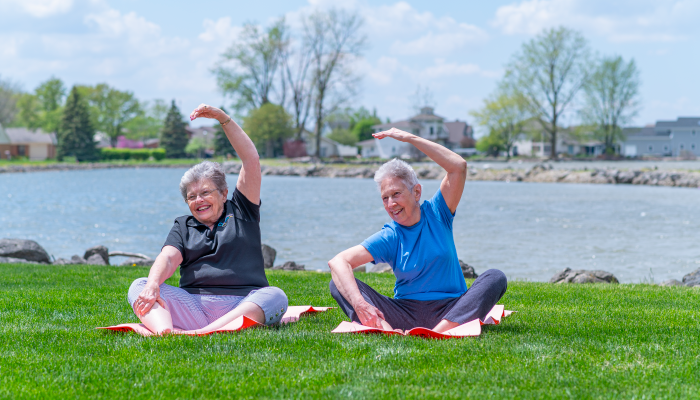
(651, 148)
(665, 147)
(431, 131)
(21, 150)
(682, 146)
(692, 146)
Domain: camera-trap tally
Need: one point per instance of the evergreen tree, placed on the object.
(76, 133)
(222, 146)
(174, 136)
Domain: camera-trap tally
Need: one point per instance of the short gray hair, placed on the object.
(204, 170)
(399, 169)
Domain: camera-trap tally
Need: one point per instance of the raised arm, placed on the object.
(250, 177)
(455, 166)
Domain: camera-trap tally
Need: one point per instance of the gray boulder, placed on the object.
(468, 270)
(24, 249)
(361, 268)
(692, 278)
(269, 255)
(381, 268)
(672, 282)
(583, 276)
(137, 262)
(11, 260)
(96, 259)
(99, 250)
(289, 266)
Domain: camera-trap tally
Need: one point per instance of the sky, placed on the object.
(458, 49)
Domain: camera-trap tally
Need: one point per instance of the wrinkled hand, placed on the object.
(397, 134)
(206, 111)
(369, 315)
(148, 297)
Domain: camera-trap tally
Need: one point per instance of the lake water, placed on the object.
(528, 230)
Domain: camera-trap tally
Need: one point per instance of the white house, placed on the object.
(426, 125)
(665, 139)
(329, 148)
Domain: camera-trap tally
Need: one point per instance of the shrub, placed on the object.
(158, 154)
(109, 154)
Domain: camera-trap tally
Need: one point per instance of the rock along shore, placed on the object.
(539, 173)
(544, 173)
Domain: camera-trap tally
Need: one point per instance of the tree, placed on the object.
(611, 99)
(296, 62)
(76, 133)
(422, 97)
(9, 96)
(149, 123)
(196, 147)
(174, 137)
(247, 70)
(222, 146)
(505, 115)
(267, 126)
(491, 144)
(111, 109)
(361, 123)
(549, 71)
(44, 108)
(333, 39)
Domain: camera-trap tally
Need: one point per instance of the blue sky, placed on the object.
(458, 49)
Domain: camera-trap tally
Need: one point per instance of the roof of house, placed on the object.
(403, 124)
(368, 142)
(681, 122)
(27, 136)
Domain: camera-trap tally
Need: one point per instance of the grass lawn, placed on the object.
(581, 341)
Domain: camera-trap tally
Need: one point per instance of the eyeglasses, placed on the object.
(205, 194)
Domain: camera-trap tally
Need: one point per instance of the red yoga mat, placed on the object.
(292, 315)
(471, 328)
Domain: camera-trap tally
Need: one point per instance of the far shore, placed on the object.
(653, 173)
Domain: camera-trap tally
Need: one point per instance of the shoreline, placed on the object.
(541, 173)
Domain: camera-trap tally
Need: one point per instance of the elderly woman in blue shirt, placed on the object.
(418, 243)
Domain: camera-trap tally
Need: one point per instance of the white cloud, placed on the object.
(443, 69)
(220, 30)
(646, 22)
(415, 33)
(112, 23)
(39, 8)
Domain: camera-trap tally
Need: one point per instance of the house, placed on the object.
(205, 132)
(329, 148)
(23, 142)
(571, 141)
(426, 125)
(664, 139)
(460, 135)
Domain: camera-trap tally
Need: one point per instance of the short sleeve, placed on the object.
(382, 246)
(175, 238)
(440, 208)
(248, 209)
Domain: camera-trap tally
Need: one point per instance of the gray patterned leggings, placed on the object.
(195, 311)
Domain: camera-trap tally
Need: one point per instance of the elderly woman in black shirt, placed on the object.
(218, 250)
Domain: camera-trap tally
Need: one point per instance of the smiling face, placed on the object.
(205, 201)
(401, 202)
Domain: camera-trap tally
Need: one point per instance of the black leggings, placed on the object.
(485, 292)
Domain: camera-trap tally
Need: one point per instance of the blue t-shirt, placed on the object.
(423, 256)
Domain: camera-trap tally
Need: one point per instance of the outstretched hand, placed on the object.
(369, 315)
(398, 134)
(206, 111)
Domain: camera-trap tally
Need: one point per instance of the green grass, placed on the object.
(581, 341)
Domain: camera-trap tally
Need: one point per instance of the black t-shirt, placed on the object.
(226, 260)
